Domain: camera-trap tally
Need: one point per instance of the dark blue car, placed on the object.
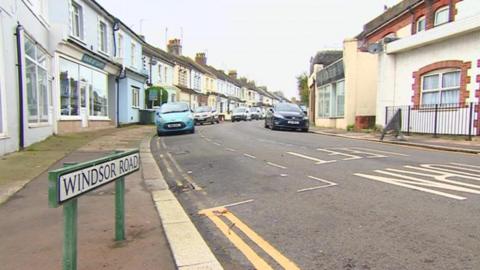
(286, 116)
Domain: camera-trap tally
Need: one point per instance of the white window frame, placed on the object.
(100, 39)
(39, 123)
(133, 48)
(423, 18)
(442, 9)
(440, 89)
(81, 23)
(135, 97)
(120, 48)
(87, 97)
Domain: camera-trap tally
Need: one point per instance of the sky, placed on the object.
(269, 41)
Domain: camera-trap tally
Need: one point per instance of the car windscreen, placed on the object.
(287, 107)
(202, 109)
(239, 110)
(173, 108)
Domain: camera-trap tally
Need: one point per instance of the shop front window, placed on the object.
(36, 83)
(331, 100)
(82, 87)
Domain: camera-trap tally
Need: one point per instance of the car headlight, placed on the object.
(305, 118)
(276, 115)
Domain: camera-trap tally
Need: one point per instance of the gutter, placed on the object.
(21, 117)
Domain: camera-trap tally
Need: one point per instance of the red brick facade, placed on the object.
(411, 17)
(464, 79)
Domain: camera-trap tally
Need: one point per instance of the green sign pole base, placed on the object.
(120, 209)
(70, 237)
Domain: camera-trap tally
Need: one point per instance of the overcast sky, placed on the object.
(269, 41)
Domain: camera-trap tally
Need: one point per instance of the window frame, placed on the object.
(421, 18)
(120, 51)
(440, 89)
(102, 41)
(81, 22)
(46, 69)
(331, 90)
(133, 48)
(439, 10)
(135, 96)
(87, 97)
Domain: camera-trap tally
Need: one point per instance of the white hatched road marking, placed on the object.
(250, 156)
(318, 161)
(381, 151)
(231, 149)
(276, 165)
(438, 177)
(329, 184)
(216, 143)
(370, 154)
(335, 153)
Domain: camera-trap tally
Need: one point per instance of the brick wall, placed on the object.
(71, 126)
(464, 79)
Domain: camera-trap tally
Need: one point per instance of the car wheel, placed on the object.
(192, 130)
(272, 126)
(159, 133)
(266, 126)
(304, 129)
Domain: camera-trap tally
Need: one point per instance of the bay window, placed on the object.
(441, 87)
(36, 82)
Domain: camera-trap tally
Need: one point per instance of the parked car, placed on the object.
(255, 113)
(286, 116)
(206, 114)
(241, 113)
(174, 117)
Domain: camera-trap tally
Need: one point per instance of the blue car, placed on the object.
(174, 117)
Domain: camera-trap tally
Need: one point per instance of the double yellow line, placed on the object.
(214, 215)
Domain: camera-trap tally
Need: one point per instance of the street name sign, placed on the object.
(76, 179)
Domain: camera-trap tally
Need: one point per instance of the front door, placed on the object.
(83, 88)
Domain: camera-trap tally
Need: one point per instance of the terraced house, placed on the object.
(429, 65)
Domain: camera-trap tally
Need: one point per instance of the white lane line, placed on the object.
(335, 153)
(329, 184)
(276, 165)
(237, 203)
(230, 149)
(381, 151)
(185, 176)
(216, 143)
(318, 161)
(250, 156)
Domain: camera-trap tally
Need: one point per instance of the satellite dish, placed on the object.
(375, 48)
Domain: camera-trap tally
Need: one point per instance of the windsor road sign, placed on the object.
(73, 181)
(76, 179)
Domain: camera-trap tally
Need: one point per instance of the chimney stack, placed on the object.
(174, 46)
(232, 74)
(201, 59)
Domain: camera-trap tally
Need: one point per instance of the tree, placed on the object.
(302, 85)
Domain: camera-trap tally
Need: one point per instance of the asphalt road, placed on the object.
(301, 200)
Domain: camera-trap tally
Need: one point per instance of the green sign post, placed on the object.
(65, 185)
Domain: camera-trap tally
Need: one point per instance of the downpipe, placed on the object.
(21, 117)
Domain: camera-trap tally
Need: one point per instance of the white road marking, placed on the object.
(207, 139)
(276, 165)
(185, 176)
(250, 156)
(371, 155)
(335, 153)
(163, 143)
(329, 184)
(230, 149)
(381, 151)
(318, 161)
(465, 165)
(442, 174)
(216, 143)
(237, 203)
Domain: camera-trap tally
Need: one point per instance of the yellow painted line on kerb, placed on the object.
(259, 263)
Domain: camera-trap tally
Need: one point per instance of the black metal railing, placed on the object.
(438, 119)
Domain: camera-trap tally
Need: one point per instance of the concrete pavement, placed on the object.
(32, 234)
